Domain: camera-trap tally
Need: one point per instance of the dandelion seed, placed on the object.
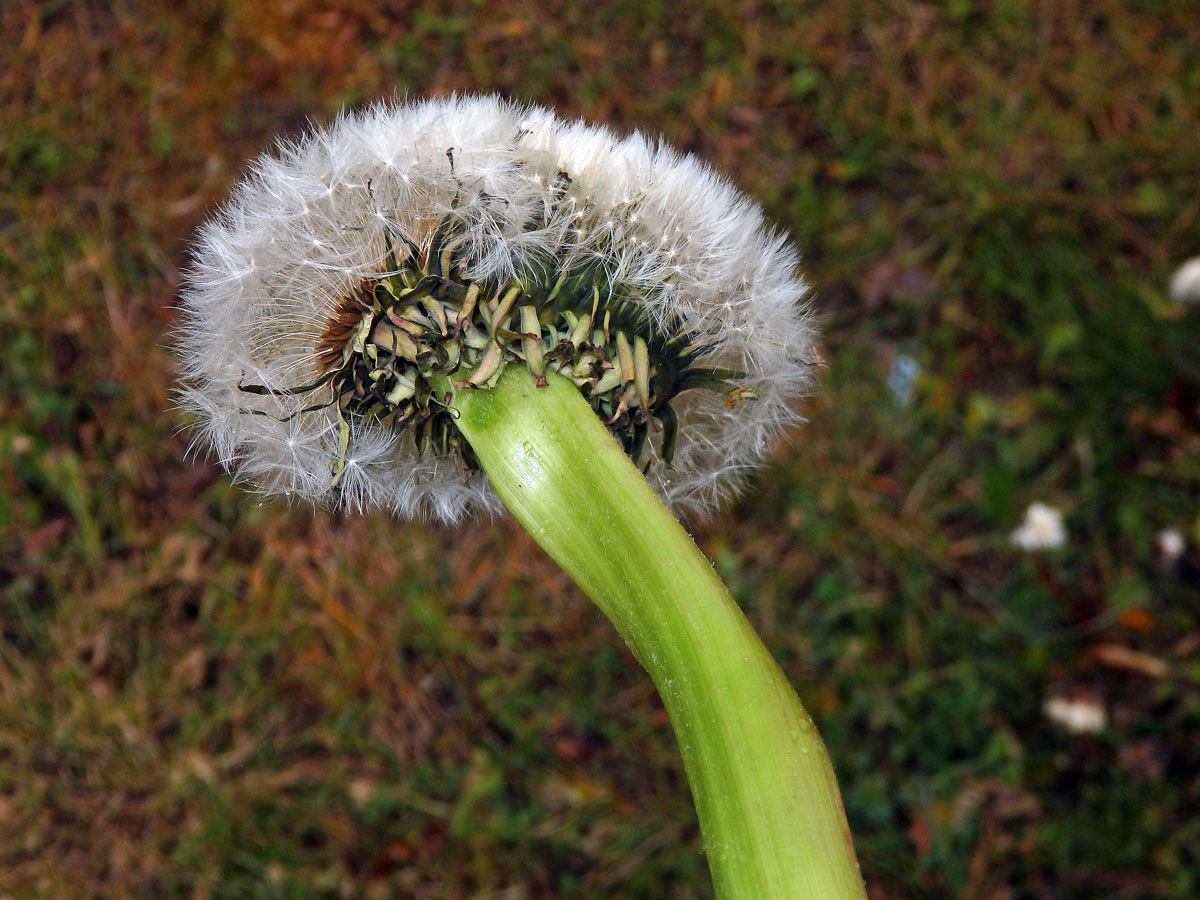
(1041, 529)
(1078, 715)
(1171, 545)
(1185, 283)
(444, 206)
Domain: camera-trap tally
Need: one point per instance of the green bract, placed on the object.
(388, 340)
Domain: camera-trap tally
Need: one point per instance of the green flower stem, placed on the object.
(765, 792)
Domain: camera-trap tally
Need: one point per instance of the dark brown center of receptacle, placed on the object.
(331, 345)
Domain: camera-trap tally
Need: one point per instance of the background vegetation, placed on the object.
(202, 696)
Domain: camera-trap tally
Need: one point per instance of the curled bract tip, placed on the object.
(355, 266)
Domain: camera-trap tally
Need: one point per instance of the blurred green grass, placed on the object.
(201, 696)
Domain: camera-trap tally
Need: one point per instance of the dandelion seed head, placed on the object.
(513, 195)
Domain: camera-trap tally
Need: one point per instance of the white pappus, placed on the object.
(524, 192)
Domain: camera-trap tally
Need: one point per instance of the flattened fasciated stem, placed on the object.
(765, 792)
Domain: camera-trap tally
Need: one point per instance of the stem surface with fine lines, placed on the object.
(765, 792)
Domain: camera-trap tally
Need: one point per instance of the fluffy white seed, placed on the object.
(310, 222)
(1185, 283)
(1171, 545)
(1041, 529)
(1078, 715)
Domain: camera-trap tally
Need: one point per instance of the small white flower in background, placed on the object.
(1185, 283)
(1171, 545)
(1041, 529)
(359, 263)
(1078, 715)
(902, 377)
